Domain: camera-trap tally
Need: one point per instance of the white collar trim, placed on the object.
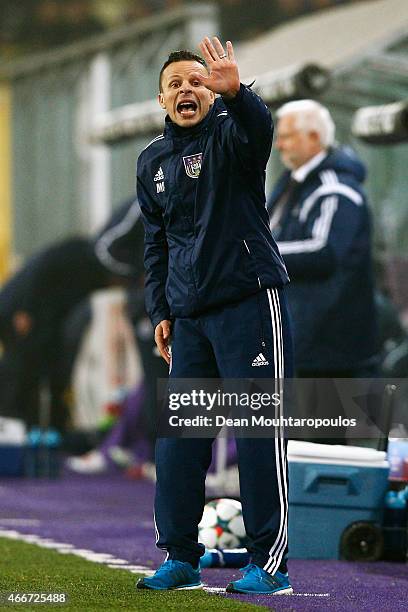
(301, 173)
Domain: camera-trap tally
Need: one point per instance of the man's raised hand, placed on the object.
(223, 75)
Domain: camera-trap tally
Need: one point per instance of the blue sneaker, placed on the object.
(172, 575)
(259, 582)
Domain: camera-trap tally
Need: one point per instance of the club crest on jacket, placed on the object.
(192, 165)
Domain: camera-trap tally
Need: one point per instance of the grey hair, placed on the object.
(311, 116)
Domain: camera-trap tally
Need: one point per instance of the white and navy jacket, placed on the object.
(324, 236)
(201, 192)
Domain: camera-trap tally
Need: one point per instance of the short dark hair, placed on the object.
(180, 56)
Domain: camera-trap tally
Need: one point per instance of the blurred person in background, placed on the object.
(36, 301)
(130, 442)
(321, 221)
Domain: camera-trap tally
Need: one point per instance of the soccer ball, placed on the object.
(222, 525)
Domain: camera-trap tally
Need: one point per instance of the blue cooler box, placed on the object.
(331, 487)
(11, 460)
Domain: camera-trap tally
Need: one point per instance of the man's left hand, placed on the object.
(223, 75)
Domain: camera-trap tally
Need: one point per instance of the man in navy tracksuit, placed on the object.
(214, 282)
(321, 221)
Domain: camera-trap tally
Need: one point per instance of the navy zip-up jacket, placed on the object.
(324, 236)
(201, 192)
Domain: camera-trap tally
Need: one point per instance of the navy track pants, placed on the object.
(224, 343)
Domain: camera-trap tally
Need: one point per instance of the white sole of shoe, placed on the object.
(188, 588)
(288, 591)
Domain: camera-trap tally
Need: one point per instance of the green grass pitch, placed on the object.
(26, 568)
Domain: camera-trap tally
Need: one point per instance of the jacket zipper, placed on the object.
(259, 303)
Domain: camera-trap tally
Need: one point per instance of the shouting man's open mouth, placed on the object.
(187, 108)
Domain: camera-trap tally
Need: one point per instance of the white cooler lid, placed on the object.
(311, 452)
(12, 431)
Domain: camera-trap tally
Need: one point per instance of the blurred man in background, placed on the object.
(321, 222)
(36, 301)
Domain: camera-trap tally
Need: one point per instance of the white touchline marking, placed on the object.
(30, 538)
(89, 555)
(98, 557)
(68, 549)
(51, 544)
(10, 534)
(80, 552)
(58, 546)
(63, 551)
(311, 594)
(121, 562)
(134, 569)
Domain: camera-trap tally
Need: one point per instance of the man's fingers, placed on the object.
(206, 54)
(210, 50)
(230, 51)
(219, 49)
(215, 52)
(162, 346)
(161, 336)
(166, 330)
